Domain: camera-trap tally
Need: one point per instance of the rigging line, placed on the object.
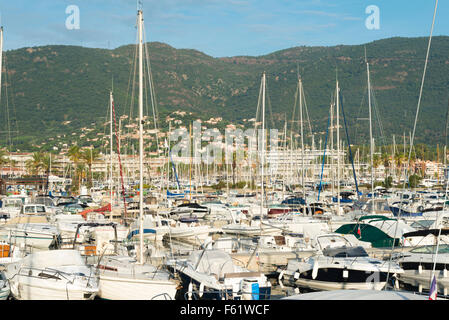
(379, 121)
(307, 112)
(294, 107)
(117, 137)
(128, 102)
(8, 123)
(324, 155)
(255, 122)
(349, 147)
(12, 101)
(152, 91)
(269, 104)
(447, 123)
(416, 120)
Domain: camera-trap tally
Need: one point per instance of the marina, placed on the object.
(274, 211)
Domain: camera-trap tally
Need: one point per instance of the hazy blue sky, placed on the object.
(218, 27)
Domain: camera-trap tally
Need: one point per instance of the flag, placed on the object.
(433, 289)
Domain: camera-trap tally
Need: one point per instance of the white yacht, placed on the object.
(338, 265)
(419, 262)
(52, 275)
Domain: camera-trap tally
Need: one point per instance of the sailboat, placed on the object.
(123, 277)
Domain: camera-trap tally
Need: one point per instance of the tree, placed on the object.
(89, 156)
(74, 154)
(414, 180)
(388, 182)
(3, 160)
(36, 164)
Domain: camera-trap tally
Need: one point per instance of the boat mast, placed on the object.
(338, 148)
(263, 144)
(302, 143)
(140, 27)
(370, 137)
(110, 153)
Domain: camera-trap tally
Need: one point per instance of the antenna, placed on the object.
(139, 5)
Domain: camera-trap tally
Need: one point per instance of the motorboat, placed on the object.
(211, 274)
(338, 265)
(420, 262)
(52, 275)
(122, 277)
(33, 231)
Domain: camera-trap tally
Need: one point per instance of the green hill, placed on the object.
(45, 87)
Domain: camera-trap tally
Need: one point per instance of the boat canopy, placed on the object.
(53, 258)
(213, 262)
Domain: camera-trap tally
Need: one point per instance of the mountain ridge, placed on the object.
(50, 85)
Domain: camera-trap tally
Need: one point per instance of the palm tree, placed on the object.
(386, 162)
(80, 172)
(74, 154)
(35, 165)
(3, 160)
(89, 156)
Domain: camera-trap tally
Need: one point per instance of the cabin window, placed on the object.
(29, 209)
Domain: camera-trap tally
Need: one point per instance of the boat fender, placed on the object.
(189, 290)
(315, 270)
(280, 277)
(445, 272)
(296, 276)
(345, 273)
(420, 269)
(201, 291)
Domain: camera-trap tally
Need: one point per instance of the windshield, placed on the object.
(443, 248)
(423, 224)
(345, 252)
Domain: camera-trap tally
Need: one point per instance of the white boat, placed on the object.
(123, 278)
(296, 223)
(339, 265)
(52, 275)
(190, 231)
(212, 274)
(31, 231)
(419, 262)
(251, 230)
(153, 228)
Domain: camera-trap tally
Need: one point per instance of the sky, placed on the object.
(220, 28)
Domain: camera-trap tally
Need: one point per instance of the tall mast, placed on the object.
(370, 136)
(263, 144)
(302, 142)
(110, 153)
(338, 148)
(140, 27)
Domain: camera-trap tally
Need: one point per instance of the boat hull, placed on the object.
(124, 288)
